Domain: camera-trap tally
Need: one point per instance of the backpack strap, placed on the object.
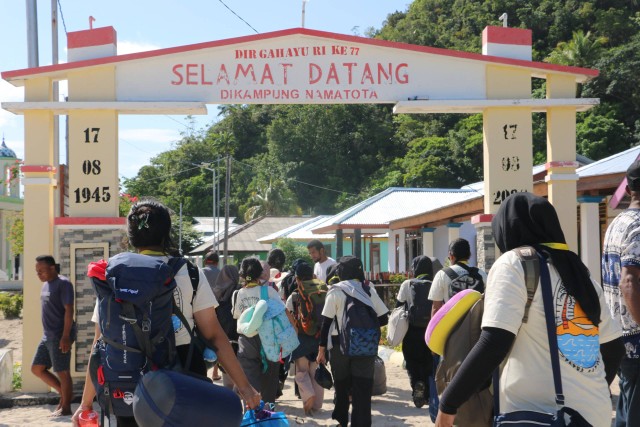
(531, 265)
(450, 273)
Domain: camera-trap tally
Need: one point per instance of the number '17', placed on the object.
(88, 132)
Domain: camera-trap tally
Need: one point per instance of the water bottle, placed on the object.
(176, 322)
(88, 418)
(209, 355)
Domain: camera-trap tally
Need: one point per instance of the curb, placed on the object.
(14, 399)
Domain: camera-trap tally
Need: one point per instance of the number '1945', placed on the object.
(98, 194)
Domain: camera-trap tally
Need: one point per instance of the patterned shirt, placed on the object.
(622, 249)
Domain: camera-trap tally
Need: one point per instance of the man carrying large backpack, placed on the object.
(457, 277)
(413, 294)
(352, 316)
(306, 304)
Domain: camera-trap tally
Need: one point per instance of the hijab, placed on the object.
(350, 268)
(422, 266)
(526, 219)
(226, 283)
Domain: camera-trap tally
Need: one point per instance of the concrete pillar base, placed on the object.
(486, 250)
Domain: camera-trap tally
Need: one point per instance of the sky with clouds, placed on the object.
(147, 25)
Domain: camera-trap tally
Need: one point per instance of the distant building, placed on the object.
(11, 204)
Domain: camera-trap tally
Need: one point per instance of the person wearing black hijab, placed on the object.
(414, 349)
(589, 341)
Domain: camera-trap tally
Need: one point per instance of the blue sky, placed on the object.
(146, 25)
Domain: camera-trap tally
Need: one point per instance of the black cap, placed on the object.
(633, 176)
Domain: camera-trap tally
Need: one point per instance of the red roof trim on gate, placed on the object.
(17, 74)
(509, 36)
(66, 220)
(94, 37)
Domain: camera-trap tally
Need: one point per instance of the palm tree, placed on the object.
(581, 51)
(274, 199)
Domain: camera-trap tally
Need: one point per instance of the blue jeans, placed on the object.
(628, 410)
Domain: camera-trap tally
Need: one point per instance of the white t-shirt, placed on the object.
(182, 294)
(320, 268)
(248, 297)
(335, 302)
(526, 382)
(440, 287)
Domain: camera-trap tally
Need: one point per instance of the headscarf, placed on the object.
(226, 283)
(350, 268)
(526, 219)
(421, 266)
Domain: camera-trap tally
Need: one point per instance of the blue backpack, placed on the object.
(135, 305)
(277, 335)
(360, 334)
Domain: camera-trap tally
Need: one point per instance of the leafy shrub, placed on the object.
(11, 304)
(293, 251)
(17, 376)
(397, 278)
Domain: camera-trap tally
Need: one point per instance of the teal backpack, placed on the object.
(277, 334)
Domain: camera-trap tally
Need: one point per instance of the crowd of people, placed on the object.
(333, 317)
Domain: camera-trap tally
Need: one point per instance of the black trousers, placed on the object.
(417, 356)
(352, 375)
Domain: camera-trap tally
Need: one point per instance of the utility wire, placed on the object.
(239, 17)
(64, 24)
(299, 182)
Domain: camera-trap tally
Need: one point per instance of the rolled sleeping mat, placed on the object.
(447, 318)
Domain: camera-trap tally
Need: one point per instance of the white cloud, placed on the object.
(125, 47)
(150, 135)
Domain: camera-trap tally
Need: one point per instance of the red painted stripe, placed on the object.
(480, 218)
(504, 35)
(95, 37)
(37, 168)
(66, 220)
(17, 74)
(561, 164)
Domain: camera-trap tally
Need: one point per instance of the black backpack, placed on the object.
(360, 332)
(471, 280)
(420, 310)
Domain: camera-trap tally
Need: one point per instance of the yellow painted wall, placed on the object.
(38, 220)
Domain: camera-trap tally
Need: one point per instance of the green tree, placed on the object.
(599, 136)
(273, 200)
(583, 50)
(293, 251)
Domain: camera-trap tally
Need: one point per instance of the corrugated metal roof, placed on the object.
(301, 231)
(204, 224)
(395, 203)
(244, 238)
(617, 163)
